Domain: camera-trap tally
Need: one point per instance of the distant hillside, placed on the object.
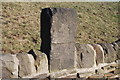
(98, 23)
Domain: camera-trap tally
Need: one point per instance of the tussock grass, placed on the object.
(97, 23)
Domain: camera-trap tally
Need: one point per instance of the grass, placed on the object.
(97, 23)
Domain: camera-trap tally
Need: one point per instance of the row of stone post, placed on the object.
(58, 32)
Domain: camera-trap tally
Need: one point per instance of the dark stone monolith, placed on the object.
(58, 32)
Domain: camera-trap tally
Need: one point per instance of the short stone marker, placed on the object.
(116, 46)
(109, 52)
(86, 56)
(58, 30)
(9, 66)
(26, 64)
(99, 53)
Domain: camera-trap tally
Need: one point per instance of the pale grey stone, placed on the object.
(99, 53)
(41, 61)
(26, 64)
(62, 56)
(109, 52)
(118, 42)
(9, 66)
(86, 56)
(116, 47)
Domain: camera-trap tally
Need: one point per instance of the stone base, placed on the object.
(62, 57)
(62, 73)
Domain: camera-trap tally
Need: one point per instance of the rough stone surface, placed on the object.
(116, 47)
(26, 64)
(64, 25)
(41, 61)
(41, 76)
(118, 42)
(109, 52)
(62, 56)
(9, 66)
(99, 53)
(85, 56)
(62, 73)
(85, 75)
(60, 22)
(58, 32)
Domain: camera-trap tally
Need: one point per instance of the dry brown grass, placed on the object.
(98, 23)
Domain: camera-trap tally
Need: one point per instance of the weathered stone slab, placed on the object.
(109, 53)
(62, 73)
(58, 31)
(85, 75)
(118, 42)
(86, 56)
(62, 57)
(58, 24)
(17, 79)
(41, 61)
(96, 76)
(9, 66)
(64, 25)
(116, 47)
(26, 64)
(99, 53)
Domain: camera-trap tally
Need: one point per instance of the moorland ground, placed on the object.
(97, 23)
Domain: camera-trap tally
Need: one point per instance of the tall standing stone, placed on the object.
(58, 30)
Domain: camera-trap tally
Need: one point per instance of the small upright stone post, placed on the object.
(58, 31)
